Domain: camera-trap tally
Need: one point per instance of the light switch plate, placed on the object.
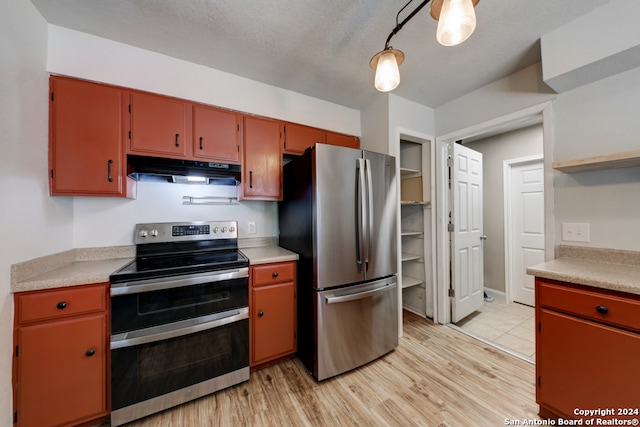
(251, 229)
(575, 232)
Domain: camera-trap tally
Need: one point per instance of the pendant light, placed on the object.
(457, 21)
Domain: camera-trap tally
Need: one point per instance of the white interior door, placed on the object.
(526, 213)
(466, 243)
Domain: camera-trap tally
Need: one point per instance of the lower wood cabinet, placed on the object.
(587, 350)
(60, 357)
(273, 312)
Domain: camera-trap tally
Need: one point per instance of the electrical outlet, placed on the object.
(576, 232)
(251, 228)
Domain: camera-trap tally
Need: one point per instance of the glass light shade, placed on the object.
(457, 22)
(387, 73)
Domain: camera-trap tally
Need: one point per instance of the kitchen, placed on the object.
(77, 223)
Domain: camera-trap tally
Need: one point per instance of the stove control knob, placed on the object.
(154, 233)
(216, 230)
(224, 229)
(143, 233)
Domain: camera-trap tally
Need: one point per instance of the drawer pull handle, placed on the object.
(275, 274)
(602, 309)
(61, 305)
(90, 352)
(260, 313)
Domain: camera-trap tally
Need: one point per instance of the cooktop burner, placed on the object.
(170, 249)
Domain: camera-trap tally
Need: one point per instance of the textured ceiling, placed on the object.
(322, 48)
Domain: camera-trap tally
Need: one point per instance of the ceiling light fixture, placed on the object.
(456, 22)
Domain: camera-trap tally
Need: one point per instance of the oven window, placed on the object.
(144, 310)
(145, 371)
(171, 299)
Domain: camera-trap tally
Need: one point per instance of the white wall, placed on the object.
(594, 119)
(31, 223)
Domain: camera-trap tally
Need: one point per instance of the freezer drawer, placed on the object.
(355, 325)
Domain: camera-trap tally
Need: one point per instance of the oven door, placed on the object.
(160, 367)
(147, 303)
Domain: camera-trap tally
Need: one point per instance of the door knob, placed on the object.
(483, 237)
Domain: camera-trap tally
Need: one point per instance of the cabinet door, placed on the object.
(343, 140)
(86, 138)
(583, 364)
(273, 312)
(216, 134)
(262, 167)
(159, 125)
(62, 371)
(297, 138)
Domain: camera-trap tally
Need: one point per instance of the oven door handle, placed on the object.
(148, 285)
(177, 329)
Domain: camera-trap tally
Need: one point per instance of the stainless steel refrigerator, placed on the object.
(339, 213)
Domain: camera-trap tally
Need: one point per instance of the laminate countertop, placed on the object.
(94, 265)
(610, 269)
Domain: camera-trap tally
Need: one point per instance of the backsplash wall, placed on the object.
(110, 221)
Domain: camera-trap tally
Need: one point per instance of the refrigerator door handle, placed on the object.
(359, 295)
(360, 207)
(369, 215)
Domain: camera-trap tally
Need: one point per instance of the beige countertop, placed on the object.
(95, 265)
(600, 268)
(267, 254)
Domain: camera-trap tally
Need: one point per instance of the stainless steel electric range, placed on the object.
(179, 317)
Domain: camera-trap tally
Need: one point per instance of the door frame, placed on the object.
(507, 176)
(526, 117)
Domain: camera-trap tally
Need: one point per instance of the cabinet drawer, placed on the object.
(273, 273)
(60, 303)
(591, 304)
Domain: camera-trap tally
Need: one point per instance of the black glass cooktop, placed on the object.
(147, 267)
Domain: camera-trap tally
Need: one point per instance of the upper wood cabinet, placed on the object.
(87, 131)
(217, 134)
(262, 166)
(160, 125)
(343, 140)
(297, 138)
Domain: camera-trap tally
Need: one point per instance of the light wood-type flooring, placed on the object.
(436, 377)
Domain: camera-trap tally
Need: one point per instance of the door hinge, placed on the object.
(129, 134)
(539, 382)
(51, 173)
(52, 96)
(452, 292)
(238, 126)
(449, 162)
(17, 352)
(450, 227)
(129, 107)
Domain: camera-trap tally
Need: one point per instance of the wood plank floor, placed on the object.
(436, 377)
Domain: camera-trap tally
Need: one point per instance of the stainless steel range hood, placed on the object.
(142, 168)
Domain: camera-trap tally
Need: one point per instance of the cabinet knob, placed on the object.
(275, 274)
(260, 313)
(90, 352)
(602, 309)
(201, 143)
(177, 139)
(61, 305)
(109, 177)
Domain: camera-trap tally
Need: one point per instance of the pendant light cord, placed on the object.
(399, 26)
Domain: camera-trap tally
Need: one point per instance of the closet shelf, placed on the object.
(410, 257)
(408, 281)
(407, 171)
(411, 233)
(607, 161)
(415, 202)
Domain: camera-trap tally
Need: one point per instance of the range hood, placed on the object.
(142, 168)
